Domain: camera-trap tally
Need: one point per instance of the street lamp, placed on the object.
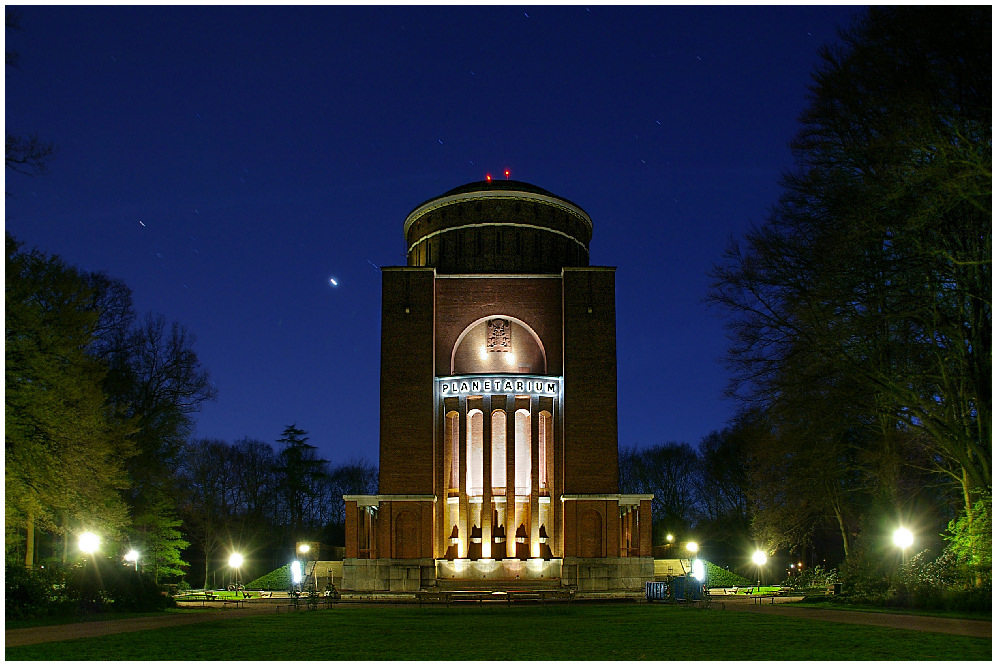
(692, 547)
(235, 562)
(296, 576)
(759, 558)
(903, 538)
(89, 543)
(132, 556)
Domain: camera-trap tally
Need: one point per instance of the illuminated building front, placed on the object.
(498, 429)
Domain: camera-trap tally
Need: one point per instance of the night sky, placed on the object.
(227, 163)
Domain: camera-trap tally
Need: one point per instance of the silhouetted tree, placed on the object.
(866, 294)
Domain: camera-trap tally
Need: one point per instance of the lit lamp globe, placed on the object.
(235, 560)
(903, 538)
(692, 547)
(759, 558)
(89, 543)
(132, 556)
(304, 548)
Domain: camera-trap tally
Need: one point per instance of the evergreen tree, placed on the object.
(161, 541)
(301, 475)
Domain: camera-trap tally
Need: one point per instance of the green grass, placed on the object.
(219, 594)
(568, 632)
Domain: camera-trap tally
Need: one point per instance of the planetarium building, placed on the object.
(498, 427)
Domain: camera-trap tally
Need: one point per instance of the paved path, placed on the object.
(944, 625)
(65, 632)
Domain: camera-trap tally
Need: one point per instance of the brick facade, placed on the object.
(498, 430)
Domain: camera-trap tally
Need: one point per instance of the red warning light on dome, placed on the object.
(488, 177)
(507, 174)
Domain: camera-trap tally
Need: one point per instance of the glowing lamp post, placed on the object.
(132, 556)
(903, 538)
(296, 576)
(89, 543)
(235, 562)
(692, 547)
(759, 558)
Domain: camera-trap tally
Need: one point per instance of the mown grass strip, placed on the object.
(569, 632)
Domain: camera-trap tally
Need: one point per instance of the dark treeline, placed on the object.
(251, 498)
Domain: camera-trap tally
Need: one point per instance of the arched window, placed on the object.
(498, 344)
(498, 449)
(475, 453)
(451, 435)
(546, 448)
(523, 461)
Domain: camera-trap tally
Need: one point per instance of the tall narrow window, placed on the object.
(452, 437)
(546, 446)
(523, 461)
(475, 451)
(498, 449)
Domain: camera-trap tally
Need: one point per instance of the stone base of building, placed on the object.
(607, 574)
(502, 572)
(388, 575)
(595, 574)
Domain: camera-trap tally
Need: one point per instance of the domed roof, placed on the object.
(498, 226)
(496, 187)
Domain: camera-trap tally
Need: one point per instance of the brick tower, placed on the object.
(498, 433)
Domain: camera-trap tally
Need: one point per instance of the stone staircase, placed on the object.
(325, 573)
(450, 584)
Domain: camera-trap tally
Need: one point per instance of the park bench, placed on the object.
(294, 605)
(431, 596)
(239, 603)
(197, 596)
(758, 599)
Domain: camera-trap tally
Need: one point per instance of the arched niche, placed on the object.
(498, 344)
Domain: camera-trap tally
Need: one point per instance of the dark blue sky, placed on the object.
(227, 162)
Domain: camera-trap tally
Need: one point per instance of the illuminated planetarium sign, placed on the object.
(447, 387)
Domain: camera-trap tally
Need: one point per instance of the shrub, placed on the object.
(105, 585)
(718, 577)
(970, 537)
(35, 593)
(814, 578)
(278, 579)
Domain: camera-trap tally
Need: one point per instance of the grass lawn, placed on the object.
(557, 632)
